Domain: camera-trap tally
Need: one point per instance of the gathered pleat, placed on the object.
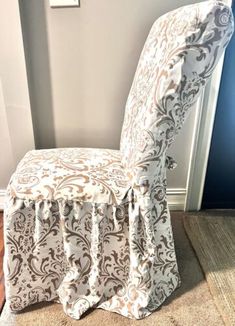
(86, 254)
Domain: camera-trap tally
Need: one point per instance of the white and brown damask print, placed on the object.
(91, 227)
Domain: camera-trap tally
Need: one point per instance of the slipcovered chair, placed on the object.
(91, 227)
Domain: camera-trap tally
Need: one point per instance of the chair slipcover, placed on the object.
(91, 227)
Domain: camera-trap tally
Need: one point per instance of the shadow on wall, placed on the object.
(38, 71)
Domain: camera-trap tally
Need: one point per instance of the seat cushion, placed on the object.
(82, 174)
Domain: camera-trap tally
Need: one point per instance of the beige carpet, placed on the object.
(212, 234)
(191, 305)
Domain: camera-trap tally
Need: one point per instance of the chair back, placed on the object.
(178, 58)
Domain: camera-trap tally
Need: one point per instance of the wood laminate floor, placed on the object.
(2, 296)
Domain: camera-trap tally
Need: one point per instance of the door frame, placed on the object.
(202, 135)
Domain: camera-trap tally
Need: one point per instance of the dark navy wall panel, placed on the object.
(219, 190)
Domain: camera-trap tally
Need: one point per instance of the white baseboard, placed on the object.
(2, 197)
(175, 197)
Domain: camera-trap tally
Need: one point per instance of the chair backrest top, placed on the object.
(178, 58)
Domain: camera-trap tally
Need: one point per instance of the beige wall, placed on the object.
(16, 133)
(6, 161)
(81, 62)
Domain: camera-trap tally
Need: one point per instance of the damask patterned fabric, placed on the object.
(91, 227)
(178, 58)
(82, 174)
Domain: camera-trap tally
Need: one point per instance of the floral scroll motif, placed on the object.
(91, 227)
